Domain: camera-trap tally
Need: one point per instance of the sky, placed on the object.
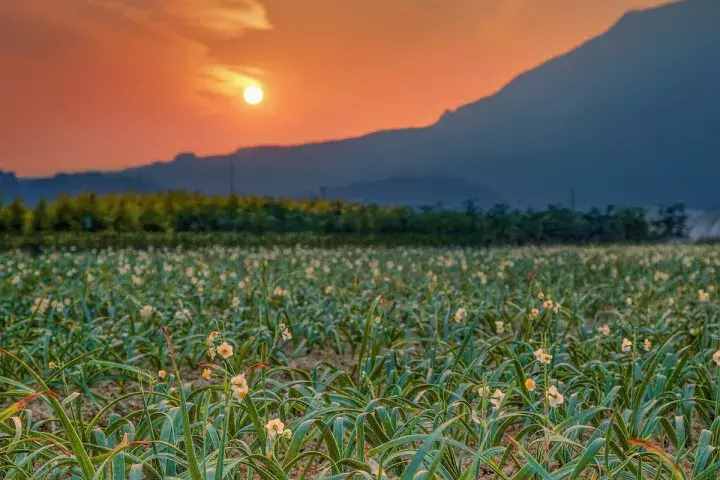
(107, 84)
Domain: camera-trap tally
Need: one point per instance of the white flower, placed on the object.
(542, 356)
(146, 312)
(285, 332)
(225, 350)
(716, 358)
(626, 345)
(483, 390)
(210, 341)
(460, 315)
(239, 386)
(40, 305)
(497, 398)
(554, 397)
(275, 427)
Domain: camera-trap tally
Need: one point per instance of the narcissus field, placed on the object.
(360, 363)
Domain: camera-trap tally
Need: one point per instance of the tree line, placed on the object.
(192, 212)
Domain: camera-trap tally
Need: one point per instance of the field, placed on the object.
(360, 363)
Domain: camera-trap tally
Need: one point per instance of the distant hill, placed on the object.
(31, 190)
(630, 117)
(415, 192)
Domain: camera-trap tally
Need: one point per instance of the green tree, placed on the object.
(89, 213)
(151, 219)
(124, 219)
(3, 220)
(64, 219)
(17, 216)
(41, 217)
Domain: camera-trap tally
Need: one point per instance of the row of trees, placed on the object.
(186, 212)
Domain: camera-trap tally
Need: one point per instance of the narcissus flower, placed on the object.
(703, 296)
(210, 341)
(647, 345)
(206, 374)
(499, 327)
(460, 315)
(554, 397)
(211, 337)
(716, 358)
(162, 374)
(626, 345)
(604, 329)
(285, 332)
(530, 384)
(40, 305)
(497, 398)
(239, 386)
(146, 312)
(225, 350)
(542, 356)
(275, 427)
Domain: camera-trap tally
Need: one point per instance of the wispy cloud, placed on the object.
(199, 24)
(226, 18)
(222, 17)
(228, 80)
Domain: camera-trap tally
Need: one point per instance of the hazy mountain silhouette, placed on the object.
(416, 192)
(630, 117)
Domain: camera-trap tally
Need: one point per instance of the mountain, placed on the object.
(415, 192)
(629, 117)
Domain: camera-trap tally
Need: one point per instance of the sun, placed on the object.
(253, 94)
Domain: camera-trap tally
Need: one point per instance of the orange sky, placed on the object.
(105, 84)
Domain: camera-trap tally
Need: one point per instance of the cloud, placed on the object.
(198, 25)
(130, 9)
(228, 80)
(222, 17)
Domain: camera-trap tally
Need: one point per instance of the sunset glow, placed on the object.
(134, 82)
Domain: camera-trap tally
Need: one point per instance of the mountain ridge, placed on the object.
(611, 118)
